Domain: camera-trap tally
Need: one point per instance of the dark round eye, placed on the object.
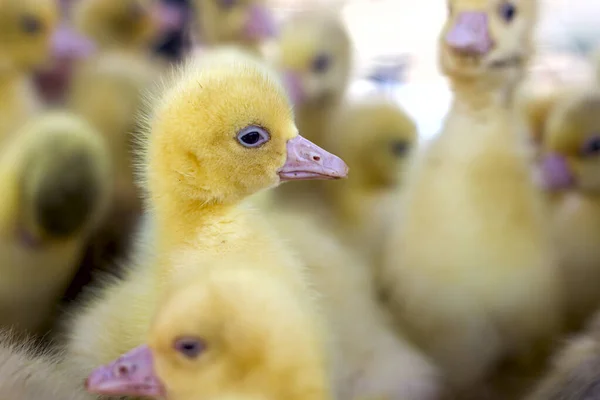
(227, 3)
(399, 148)
(591, 147)
(321, 63)
(189, 346)
(252, 136)
(507, 11)
(31, 24)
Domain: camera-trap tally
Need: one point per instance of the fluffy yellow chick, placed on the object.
(569, 168)
(245, 23)
(27, 27)
(205, 342)
(371, 359)
(219, 132)
(573, 373)
(56, 181)
(375, 137)
(126, 24)
(30, 373)
(468, 268)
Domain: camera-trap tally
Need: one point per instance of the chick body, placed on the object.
(468, 269)
(28, 373)
(372, 359)
(564, 122)
(56, 179)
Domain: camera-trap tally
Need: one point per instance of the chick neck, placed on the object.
(181, 217)
(480, 94)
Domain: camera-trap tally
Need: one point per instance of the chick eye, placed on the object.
(189, 346)
(321, 63)
(253, 136)
(31, 24)
(507, 11)
(591, 147)
(399, 148)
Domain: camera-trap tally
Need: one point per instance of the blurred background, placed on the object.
(397, 38)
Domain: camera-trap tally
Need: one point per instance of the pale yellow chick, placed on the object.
(228, 328)
(26, 33)
(469, 270)
(221, 130)
(244, 23)
(131, 25)
(314, 55)
(56, 180)
(376, 138)
(567, 126)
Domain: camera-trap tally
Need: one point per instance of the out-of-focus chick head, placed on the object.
(483, 37)
(129, 23)
(67, 176)
(224, 130)
(245, 22)
(314, 53)
(569, 141)
(26, 29)
(375, 138)
(234, 330)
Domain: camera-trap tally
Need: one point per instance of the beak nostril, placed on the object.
(316, 158)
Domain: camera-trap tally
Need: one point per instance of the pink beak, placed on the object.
(167, 16)
(67, 43)
(293, 86)
(260, 23)
(555, 173)
(470, 33)
(130, 375)
(305, 160)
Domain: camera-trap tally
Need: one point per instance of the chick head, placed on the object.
(66, 177)
(487, 38)
(375, 138)
(130, 23)
(246, 22)
(314, 53)
(224, 130)
(570, 146)
(233, 329)
(26, 32)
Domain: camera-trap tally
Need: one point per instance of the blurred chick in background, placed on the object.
(565, 123)
(245, 23)
(56, 179)
(26, 29)
(106, 89)
(468, 269)
(376, 138)
(372, 360)
(314, 56)
(130, 25)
